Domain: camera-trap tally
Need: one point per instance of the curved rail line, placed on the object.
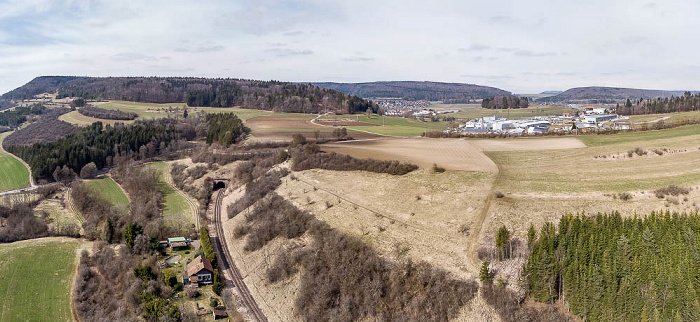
(227, 263)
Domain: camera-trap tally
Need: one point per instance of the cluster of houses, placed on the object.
(542, 124)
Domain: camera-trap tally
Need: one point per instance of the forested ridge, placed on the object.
(208, 92)
(429, 91)
(609, 268)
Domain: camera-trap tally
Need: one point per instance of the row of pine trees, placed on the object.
(607, 268)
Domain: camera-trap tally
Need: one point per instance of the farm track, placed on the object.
(474, 237)
(227, 263)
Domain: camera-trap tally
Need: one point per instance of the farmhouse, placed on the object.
(199, 272)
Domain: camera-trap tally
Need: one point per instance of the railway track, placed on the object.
(227, 263)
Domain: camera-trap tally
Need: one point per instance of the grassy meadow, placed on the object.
(109, 190)
(13, 174)
(176, 209)
(36, 278)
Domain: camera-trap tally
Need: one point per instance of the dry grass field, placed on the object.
(449, 153)
(75, 117)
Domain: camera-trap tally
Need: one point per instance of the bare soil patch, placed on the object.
(343, 122)
(448, 153)
(528, 144)
(281, 123)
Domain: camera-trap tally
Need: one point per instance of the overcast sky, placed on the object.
(519, 46)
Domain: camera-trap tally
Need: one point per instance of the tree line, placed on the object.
(20, 114)
(213, 92)
(611, 268)
(687, 102)
(504, 102)
(101, 113)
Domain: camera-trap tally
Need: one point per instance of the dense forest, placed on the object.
(19, 115)
(225, 129)
(220, 92)
(609, 268)
(684, 103)
(428, 91)
(502, 102)
(96, 143)
(106, 114)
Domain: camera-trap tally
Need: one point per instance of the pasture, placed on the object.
(177, 211)
(13, 173)
(110, 191)
(392, 126)
(36, 277)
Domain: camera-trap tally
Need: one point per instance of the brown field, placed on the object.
(75, 117)
(449, 153)
(281, 128)
(528, 144)
(343, 122)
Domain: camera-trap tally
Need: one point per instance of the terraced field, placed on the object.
(36, 277)
(13, 174)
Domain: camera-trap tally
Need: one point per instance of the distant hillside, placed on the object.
(219, 92)
(596, 94)
(429, 91)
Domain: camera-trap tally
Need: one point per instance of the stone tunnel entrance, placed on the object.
(220, 183)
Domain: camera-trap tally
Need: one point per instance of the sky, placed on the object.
(519, 46)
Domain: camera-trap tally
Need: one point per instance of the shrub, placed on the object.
(438, 169)
(499, 194)
(625, 196)
(673, 190)
(339, 162)
(485, 273)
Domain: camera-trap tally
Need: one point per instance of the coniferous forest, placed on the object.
(95, 143)
(609, 268)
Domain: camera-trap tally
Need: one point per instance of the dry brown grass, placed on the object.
(448, 153)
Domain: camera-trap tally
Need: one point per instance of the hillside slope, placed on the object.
(430, 91)
(598, 94)
(206, 92)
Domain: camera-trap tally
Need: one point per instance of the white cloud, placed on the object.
(518, 46)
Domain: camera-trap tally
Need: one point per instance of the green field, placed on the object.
(176, 209)
(13, 174)
(397, 126)
(109, 190)
(36, 278)
(597, 140)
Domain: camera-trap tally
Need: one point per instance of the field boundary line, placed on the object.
(194, 207)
